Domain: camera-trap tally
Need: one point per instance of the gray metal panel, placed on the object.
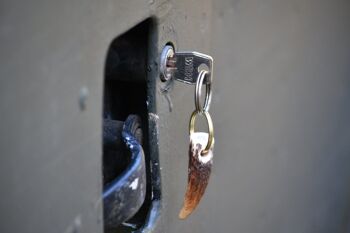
(50, 148)
(280, 109)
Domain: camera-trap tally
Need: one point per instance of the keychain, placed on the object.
(200, 152)
(185, 67)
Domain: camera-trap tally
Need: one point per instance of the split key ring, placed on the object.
(197, 94)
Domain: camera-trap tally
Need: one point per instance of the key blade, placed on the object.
(187, 64)
(199, 172)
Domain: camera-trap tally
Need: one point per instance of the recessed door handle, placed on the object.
(124, 196)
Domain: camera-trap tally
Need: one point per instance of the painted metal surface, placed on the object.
(280, 111)
(283, 133)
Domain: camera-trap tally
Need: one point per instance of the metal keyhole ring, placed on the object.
(210, 142)
(197, 94)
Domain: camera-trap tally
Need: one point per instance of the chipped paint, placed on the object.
(134, 184)
(153, 116)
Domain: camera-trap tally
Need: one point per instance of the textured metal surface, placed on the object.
(280, 108)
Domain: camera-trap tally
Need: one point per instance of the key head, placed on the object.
(189, 64)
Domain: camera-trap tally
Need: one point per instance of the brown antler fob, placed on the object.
(199, 170)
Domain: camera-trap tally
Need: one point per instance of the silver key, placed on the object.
(188, 66)
(185, 66)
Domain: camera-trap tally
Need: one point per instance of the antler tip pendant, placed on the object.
(199, 170)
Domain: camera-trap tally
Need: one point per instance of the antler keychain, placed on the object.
(200, 151)
(185, 67)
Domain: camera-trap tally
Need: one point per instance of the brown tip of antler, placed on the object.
(184, 213)
(199, 172)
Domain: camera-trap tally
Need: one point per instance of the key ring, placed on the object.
(197, 94)
(210, 129)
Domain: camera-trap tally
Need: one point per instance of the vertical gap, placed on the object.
(125, 93)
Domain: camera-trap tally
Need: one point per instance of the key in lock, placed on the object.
(184, 66)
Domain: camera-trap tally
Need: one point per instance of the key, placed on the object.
(185, 66)
(188, 66)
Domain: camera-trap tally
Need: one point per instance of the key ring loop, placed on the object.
(197, 94)
(210, 129)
